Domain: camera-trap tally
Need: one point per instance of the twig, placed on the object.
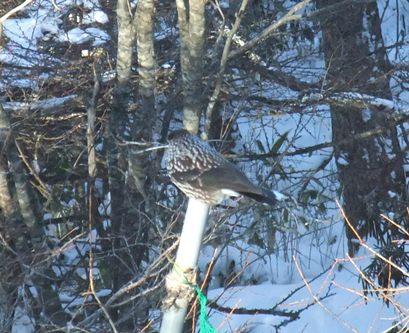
(94, 294)
(290, 16)
(363, 244)
(318, 300)
(12, 12)
(395, 224)
(223, 62)
(125, 290)
(310, 149)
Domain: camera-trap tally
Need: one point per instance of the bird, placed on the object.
(202, 173)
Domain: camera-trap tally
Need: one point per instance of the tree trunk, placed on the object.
(117, 129)
(9, 217)
(192, 30)
(144, 119)
(179, 293)
(92, 158)
(128, 194)
(23, 244)
(370, 169)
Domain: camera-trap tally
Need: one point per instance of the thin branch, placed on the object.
(94, 294)
(240, 311)
(223, 63)
(311, 149)
(290, 16)
(12, 12)
(153, 271)
(318, 300)
(363, 243)
(362, 100)
(334, 9)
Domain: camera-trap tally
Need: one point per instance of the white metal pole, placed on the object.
(179, 292)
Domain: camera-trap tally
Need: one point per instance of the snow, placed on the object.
(95, 15)
(73, 301)
(22, 323)
(46, 104)
(75, 36)
(80, 36)
(371, 100)
(45, 23)
(24, 32)
(99, 36)
(108, 76)
(394, 29)
(280, 196)
(342, 160)
(366, 114)
(340, 311)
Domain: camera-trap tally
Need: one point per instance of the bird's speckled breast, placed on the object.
(189, 153)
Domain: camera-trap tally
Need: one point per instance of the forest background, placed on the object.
(310, 98)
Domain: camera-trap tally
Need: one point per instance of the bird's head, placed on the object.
(183, 140)
(179, 134)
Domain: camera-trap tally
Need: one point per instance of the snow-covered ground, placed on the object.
(329, 287)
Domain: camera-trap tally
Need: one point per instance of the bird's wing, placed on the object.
(228, 176)
(224, 177)
(190, 175)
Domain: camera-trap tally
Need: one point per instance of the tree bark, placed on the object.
(146, 115)
(128, 194)
(192, 32)
(23, 244)
(92, 157)
(142, 168)
(117, 131)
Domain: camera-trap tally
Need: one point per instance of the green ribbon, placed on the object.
(204, 324)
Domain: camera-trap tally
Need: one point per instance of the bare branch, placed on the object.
(223, 63)
(290, 16)
(12, 12)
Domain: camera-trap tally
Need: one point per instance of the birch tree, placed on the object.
(128, 195)
(191, 19)
(22, 247)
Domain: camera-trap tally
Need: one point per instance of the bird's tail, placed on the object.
(265, 196)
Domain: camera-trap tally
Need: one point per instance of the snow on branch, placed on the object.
(357, 99)
(362, 100)
(44, 104)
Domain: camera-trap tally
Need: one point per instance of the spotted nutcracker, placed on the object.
(201, 172)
